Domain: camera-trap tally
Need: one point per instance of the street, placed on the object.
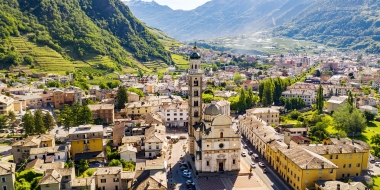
(270, 178)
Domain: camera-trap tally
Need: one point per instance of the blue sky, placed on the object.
(181, 4)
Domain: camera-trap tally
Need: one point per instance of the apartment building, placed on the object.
(87, 142)
(136, 109)
(49, 154)
(307, 95)
(155, 141)
(6, 104)
(21, 148)
(57, 179)
(175, 114)
(108, 178)
(269, 115)
(103, 111)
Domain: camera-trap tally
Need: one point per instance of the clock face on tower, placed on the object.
(221, 145)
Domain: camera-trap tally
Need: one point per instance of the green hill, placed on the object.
(346, 24)
(62, 35)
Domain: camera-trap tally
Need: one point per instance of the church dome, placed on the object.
(212, 110)
(195, 55)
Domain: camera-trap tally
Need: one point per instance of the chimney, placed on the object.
(327, 150)
(340, 150)
(338, 187)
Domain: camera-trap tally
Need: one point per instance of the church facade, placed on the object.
(212, 141)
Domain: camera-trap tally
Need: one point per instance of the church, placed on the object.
(212, 142)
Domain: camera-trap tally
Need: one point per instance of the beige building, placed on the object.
(21, 148)
(87, 183)
(331, 185)
(155, 141)
(136, 109)
(335, 102)
(57, 179)
(7, 176)
(133, 97)
(269, 115)
(108, 178)
(6, 104)
(103, 111)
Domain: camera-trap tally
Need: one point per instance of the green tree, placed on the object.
(237, 78)
(83, 165)
(28, 60)
(223, 84)
(242, 101)
(85, 115)
(49, 122)
(28, 120)
(267, 97)
(66, 117)
(207, 98)
(75, 114)
(369, 116)
(121, 97)
(350, 100)
(115, 162)
(349, 122)
(137, 91)
(3, 121)
(319, 131)
(39, 125)
(319, 99)
(128, 165)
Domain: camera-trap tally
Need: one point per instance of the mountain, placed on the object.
(217, 18)
(348, 24)
(77, 30)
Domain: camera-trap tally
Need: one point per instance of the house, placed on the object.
(136, 141)
(6, 104)
(332, 185)
(371, 109)
(87, 183)
(105, 112)
(87, 142)
(335, 102)
(155, 141)
(136, 109)
(49, 154)
(307, 95)
(108, 178)
(40, 166)
(151, 179)
(7, 175)
(251, 84)
(128, 152)
(21, 148)
(269, 115)
(133, 97)
(175, 114)
(56, 179)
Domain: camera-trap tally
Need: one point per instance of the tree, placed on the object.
(28, 60)
(267, 97)
(350, 100)
(242, 101)
(49, 122)
(28, 120)
(115, 162)
(121, 98)
(223, 84)
(3, 121)
(207, 98)
(39, 125)
(85, 115)
(319, 100)
(75, 114)
(317, 73)
(369, 116)
(128, 165)
(319, 131)
(65, 117)
(375, 139)
(349, 122)
(83, 165)
(137, 91)
(237, 77)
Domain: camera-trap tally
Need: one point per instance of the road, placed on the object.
(271, 179)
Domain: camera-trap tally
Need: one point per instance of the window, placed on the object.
(115, 179)
(344, 165)
(195, 103)
(3, 179)
(116, 187)
(307, 171)
(349, 165)
(102, 180)
(350, 155)
(168, 119)
(150, 147)
(181, 114)
(331, 157)
(175, 114)
(359, 155)
(196, 82)
(307, 181)
(358, 165)
(337, 156)
(157, 147)
(233, 161)
(221, 134)
(331, 171)
(320, 172)
(168, 114)
(18, 150)
(195, 93)
(207, 163)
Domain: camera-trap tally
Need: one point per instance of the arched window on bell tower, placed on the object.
(221, 134)
(196, 113)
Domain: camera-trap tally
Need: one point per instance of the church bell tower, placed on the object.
(195, 95)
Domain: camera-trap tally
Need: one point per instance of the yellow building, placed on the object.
(136, 109)
(301, 168)
(21, 148)
(329, 185)
(6, 104)
(87, 142)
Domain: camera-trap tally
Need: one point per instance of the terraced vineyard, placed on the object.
(46, 59)
(180, 62)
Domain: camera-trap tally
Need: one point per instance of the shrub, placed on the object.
(294, 114)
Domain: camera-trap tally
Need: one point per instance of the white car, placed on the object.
(253, 165)
(377, 164)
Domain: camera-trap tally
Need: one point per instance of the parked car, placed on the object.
(187, 172)
(243, 154)
(187, 175)
(377, 164)
(265, 170)
(372, 161)
(261, 164)
(189, 183)
(181, 162)
(253, 164)
(250, 152)
(245, 146)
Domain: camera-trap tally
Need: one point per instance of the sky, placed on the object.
(181, 4)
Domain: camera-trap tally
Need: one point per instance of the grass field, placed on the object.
(180, 61)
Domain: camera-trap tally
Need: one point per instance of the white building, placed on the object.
(128, 152)
(369, 108)
(49, 154)
(307, 95)
(155, 141)
(175, 114)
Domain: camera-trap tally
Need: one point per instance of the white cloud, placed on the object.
(181, 4)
